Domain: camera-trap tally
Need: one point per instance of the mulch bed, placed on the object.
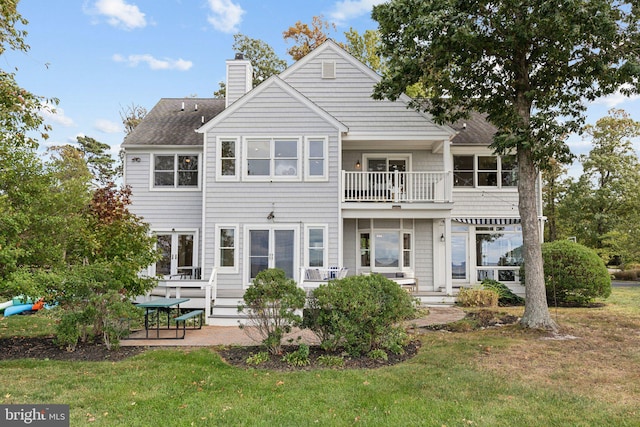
(45, 348)
(237, 356)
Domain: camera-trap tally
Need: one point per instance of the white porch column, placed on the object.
(448, 281)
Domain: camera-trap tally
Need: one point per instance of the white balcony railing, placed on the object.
(396, 186)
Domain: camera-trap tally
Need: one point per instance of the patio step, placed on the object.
(225, 312)
(435, 299)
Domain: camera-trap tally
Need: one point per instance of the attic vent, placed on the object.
(328, 69)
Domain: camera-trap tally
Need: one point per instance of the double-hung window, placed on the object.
(226, 241)
(273, 159)
(227, 159)
(484, 171)
(316, 255)
(316, 159)
(175, 171)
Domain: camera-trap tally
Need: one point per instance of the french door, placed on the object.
(177, 255)
(271, 248)
(385, 182)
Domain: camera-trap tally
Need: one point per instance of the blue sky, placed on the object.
(100, 56)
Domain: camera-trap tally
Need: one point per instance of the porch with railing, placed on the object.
(396, 186)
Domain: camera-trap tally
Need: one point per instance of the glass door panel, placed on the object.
(272, 248)
(459, 264)
(185, 254)
(163, 265)
(283, 251)
(177, 256)
(259, 251)
(387, 249)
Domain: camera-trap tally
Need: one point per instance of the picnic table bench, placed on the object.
(186, 316)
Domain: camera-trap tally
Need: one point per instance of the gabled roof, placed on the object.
(168, 124)
(270, 82)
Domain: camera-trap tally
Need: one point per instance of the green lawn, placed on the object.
(456, 380)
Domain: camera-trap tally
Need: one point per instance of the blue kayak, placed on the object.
(16, 309)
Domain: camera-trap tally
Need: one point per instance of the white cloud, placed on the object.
(226, 15)
(121, 14)
(57, 116)
(154, 63)
(615, 99)
(347, 9)
(107, 126)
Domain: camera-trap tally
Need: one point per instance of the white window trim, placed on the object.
(408, 157)
(219, 141)
(325, 255)
(475, 171)
(246, 274)
(152, 170)
(196, 247)
(307, 158)
(217, 246)
(271, 177)
(372, 250)
(472, 256)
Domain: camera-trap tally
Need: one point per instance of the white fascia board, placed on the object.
(271, 81)
(330, 44)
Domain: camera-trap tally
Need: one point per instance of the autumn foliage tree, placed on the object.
(307, 37)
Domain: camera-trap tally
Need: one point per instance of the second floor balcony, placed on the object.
(397, 187)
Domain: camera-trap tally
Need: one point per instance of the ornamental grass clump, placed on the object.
(477, 297)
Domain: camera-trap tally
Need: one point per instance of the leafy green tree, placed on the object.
(531, 66)
(98, 159)
(264, 61)
(19, 109)
(365, 48)
(554, 188)
(602, 205)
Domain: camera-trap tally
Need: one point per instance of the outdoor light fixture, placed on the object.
(135, 159)
(442, 237)
(358, 165)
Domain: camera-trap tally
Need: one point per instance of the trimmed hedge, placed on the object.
(574, 274)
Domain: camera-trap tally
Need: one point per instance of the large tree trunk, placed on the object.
(536, 311)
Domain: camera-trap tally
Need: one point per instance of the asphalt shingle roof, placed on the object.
(168, 124)
(477, 131)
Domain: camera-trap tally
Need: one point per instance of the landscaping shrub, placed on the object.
(477, 297)
(331, 361)
(258, 358)
(360, 313)
(271, 303)
(299, 357)
(574, 274)
(627, 275)
(506, 297)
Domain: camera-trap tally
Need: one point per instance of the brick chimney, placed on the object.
(239, 78)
